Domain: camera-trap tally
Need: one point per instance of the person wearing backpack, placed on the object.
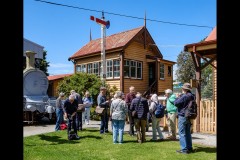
(171, 114)
(155, 119)
(184, 124)
(140, 105)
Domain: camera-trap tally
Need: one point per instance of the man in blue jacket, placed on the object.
(184, 124)
(103, 103)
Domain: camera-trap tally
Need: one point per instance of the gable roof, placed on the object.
(212, 35)
(59, 76)
(114, 41)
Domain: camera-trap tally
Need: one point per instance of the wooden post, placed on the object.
(198, 93)
(121, 71)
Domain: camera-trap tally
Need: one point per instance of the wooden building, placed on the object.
(132, 59)
(53, 83)
(206, 51)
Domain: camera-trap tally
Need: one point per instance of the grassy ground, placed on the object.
(92, 145)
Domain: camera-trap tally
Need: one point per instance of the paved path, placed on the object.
(199, 138)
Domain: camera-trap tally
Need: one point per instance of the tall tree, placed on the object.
(207, 83)
(185, 67)
(43, 64)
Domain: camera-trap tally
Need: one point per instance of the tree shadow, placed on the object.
(57, 139)
(205, 149)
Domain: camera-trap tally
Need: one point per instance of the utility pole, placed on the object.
(104, 24)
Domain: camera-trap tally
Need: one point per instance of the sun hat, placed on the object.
(186, 86)
(168, 91)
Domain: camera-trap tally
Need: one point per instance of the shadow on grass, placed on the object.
(205, 149)
(57, 140)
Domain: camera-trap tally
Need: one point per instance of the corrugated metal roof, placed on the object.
(212, 35)
(54, 77)
(112, 42)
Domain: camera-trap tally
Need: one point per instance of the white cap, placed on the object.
(168, 91)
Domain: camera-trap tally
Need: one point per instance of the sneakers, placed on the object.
(183, 152)
(77, 137)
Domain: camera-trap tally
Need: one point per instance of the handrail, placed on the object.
(150, 88)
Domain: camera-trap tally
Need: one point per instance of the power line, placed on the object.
(116, 14)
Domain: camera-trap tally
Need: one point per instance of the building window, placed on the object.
(89, 68)
(169, 71)
(133, 69)
(96, 68)
(84, 68)
(161, 71)
(81, 68)
(78, 68)
(116, 68)
(126, 68)
(139, 70)
(109, 69)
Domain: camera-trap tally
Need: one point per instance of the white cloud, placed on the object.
(60, 68)
(60, 65)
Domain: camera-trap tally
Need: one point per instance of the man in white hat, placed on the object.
(184, 124)
(171, 114)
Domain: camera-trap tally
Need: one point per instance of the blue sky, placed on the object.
(64, 30)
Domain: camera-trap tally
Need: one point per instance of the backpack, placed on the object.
(159, 111)
(191, 109)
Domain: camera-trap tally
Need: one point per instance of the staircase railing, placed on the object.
(151, 89)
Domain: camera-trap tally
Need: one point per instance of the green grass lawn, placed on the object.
(92, 146)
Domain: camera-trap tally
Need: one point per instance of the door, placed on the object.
(151, 73)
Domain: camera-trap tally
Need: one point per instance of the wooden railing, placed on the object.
(151, 89)
(208, 116)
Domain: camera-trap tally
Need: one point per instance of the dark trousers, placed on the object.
(72, 124)
(79, 121)
(131, 123)
(104, 123)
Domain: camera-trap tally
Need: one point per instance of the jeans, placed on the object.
(86, 115)
(104, 123)
(118, 130)
(156, 127)
(79, 120)
(184, 130)
(59, 116)
(72, 124)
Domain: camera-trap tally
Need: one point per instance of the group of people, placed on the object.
(122, 107)
(68, 109)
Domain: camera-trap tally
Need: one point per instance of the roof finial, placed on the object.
(90, 35)
(145, 20)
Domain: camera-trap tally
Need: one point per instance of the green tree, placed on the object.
(81, 82)
(185, 67)
(44, 64)
(206, 82)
